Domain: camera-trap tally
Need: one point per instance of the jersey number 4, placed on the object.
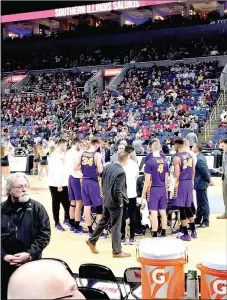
(87, 161)
(160, 168)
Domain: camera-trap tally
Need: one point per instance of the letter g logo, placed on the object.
(158, 279)
(220, 287)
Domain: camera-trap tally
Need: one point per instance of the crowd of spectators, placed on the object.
(158, 48)
(162, 102)
(170, 47)
(41, 105)
(221, 132)
(113, 27)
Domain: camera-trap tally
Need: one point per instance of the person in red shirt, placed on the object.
(145, 132)
(171, 125)
(149, 104)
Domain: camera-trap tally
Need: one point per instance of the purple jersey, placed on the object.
(157, 167)
(150, 155)
(186, 168)
(88, 167)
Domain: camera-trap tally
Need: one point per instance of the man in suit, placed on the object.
(104, 150)
(223, 170)
(201, 182)
(115, 193)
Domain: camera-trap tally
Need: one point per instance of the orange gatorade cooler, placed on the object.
(213, 269)
(162, 270)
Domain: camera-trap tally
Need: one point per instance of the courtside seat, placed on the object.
(102, 278)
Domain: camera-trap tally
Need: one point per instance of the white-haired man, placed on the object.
(43, 279)
(25, 228)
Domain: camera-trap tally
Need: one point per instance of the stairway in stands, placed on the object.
(34, 89)
(218, 71)
(214, 123)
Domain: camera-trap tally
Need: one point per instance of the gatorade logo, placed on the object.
(159, 279)
(219, 287)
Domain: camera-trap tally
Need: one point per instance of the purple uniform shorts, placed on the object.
(74, 188)
(184, 194)
(157, 198)
(91, 192)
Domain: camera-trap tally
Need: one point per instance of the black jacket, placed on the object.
(139, 185)
(25, 228)
(107, 154)
(114, 185)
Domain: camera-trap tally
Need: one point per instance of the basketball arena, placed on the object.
(91, 91)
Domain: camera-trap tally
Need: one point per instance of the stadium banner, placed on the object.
(112, 72)
(19, 163)
(82, 9)
(16, 78)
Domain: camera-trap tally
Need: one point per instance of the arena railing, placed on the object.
(66, 119)
(79, 107)
(81, 58)
(222, 59)
(125, 60)
(28, 68)
(131, 54)
(223, 78)
(75, 63)
(92, 97)
(214, 115)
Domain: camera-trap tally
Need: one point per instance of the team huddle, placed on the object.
(84, 186)
(158, 193)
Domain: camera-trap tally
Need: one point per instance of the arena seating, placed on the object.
(159, 48)
(41, 104)
(4, 75)
(221, 133)
(162, 100)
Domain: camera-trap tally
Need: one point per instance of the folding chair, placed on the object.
(91, 293)
(170, 211)
(93, 221)
(64, 264)
(93, 216)
(102, 278)
(132, 279)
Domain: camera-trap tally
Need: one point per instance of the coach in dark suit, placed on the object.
(201, 183)
(104, 150)
(114, 193)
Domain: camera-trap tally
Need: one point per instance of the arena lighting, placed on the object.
(112, 72)
(80, 10)
(16, 78)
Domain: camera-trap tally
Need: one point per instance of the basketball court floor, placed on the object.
(73, 249)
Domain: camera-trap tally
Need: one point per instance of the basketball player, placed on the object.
(74, 186)
(156, 184)
(91, 167)
(184, 172)
(149, 155)
(194, 157)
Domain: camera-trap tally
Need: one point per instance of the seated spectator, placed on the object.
(209, 145)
